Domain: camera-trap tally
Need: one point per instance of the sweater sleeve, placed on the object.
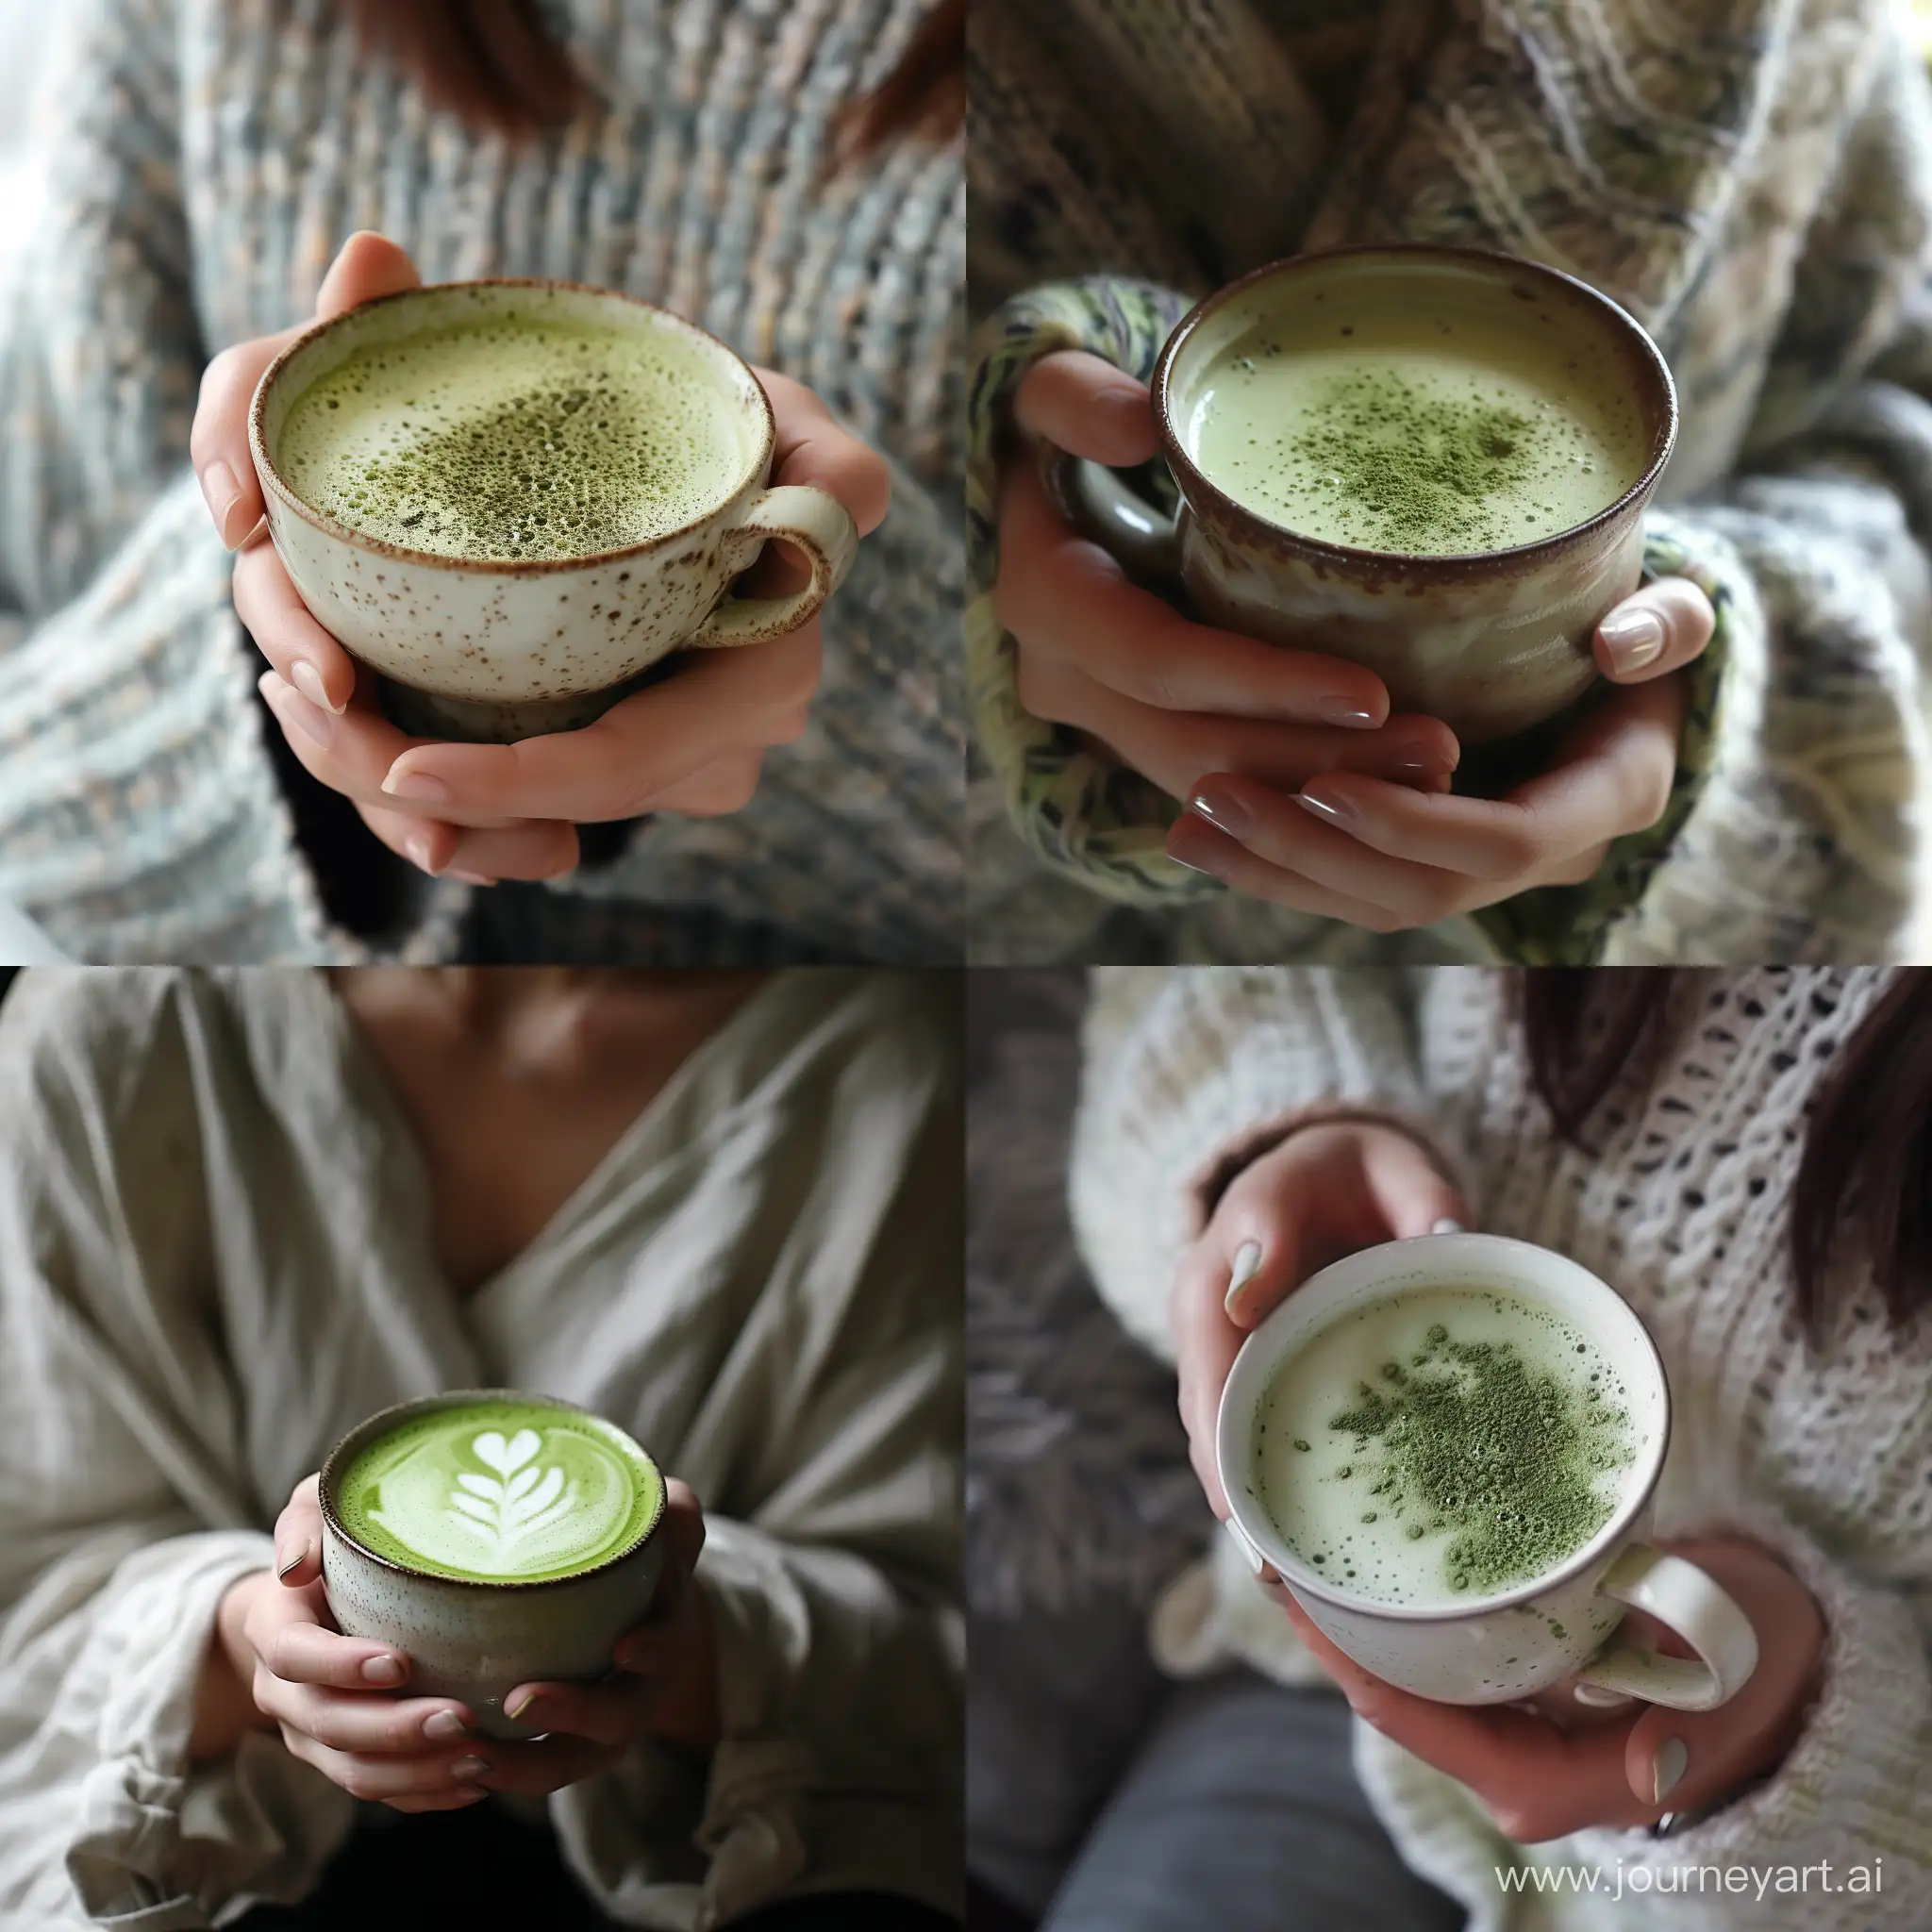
(1191, 1074)
(124, 1521)
(134, 787)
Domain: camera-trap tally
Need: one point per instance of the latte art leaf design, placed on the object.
(519, 1502)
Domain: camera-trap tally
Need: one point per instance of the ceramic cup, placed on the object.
(1491, 644)
(474, 1640)
(495, 651)
(1554, 1630)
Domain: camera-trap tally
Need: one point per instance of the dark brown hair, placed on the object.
(1864, 1182)
(492, 64)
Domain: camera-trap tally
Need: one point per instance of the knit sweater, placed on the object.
(1750, 179)
(205, 159)
(1824, 1455)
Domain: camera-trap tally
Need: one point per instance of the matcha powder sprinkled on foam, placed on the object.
(1422, 468)
(1473, 1441)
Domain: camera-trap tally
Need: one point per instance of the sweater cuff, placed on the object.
(1212, 1071)
(1851, 1788)
(1570, 925)
(154, 1841)
(1085, 814)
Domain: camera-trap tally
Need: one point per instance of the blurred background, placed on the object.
(25, 33)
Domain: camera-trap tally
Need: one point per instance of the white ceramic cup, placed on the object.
(495, 651)
(478, 1640)
(1556, 1628)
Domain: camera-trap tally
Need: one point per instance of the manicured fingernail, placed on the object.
(1247, 1264)
(1203, 866)
(307, 680)
(222, 493)
(1223, 809)
(422, 788)
(464, 1768)
(284, 1564)
(1445, 1226)
(473, 879)
(1332, 811)
(445, 1724)
(1633, 637)
(517, 1711)
(382, 1669)
(419, 850)
(1345, 712)
(296, 712)
(1668, 1768)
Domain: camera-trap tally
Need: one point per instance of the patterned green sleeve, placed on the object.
(1085, 815)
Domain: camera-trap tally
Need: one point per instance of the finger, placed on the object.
(1193, 842)
(532, 849)
(1615, 779)
(546, 1764)
(452, 1800)
(373, 1725)
(366, 266)
(1063, 594)
(298, 1535)
(717, 702)
(814, 447)
(286, 632)
(1206, 1344)
(725, 786)
(383, 1780)
(608, 1713)
(299, 1651)
(1089, 409)
(1655, 631)
(1411, 1193)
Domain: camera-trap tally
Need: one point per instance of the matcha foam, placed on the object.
(499, 1488)
(515, 437)
(1441, 1446)
(1424, 436)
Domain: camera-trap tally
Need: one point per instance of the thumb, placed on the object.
(1089, 409)
(367, 265)
(1412, 1193)
(298, 1535)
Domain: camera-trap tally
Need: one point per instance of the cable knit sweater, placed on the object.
(1750, 179)
(205, 159)
(1824, 1456)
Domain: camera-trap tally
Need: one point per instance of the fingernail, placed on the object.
(464, 1768)
(1345, 712)
(1247, 1264)
(517, 1711)
(418, 849)
(296, 712)
(473, 879)
(1445, 1226)
(1200, 865)
(307, 680)
(220, 493)
(473, 1796)
(445, 1724)
(425, 788)
(1332, 811)
(382, 1669)
(1633, 637)
(1668, 1768)
(1221, 809)
(283, 1565)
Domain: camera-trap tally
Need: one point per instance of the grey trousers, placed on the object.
(1240, 1811)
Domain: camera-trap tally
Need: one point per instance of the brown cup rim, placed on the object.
(448, 1398)
(273, 478)
(1462, 566)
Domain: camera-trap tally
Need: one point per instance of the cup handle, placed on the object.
(822, 527)
(1095, 502)
(1680, 1596)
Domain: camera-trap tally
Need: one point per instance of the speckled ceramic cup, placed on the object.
(1555, 1629)
(493, 651)
(1490, 644)
(474, 1639)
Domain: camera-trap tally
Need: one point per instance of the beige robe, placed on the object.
(215, 1257)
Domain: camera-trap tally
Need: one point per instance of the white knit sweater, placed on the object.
(1825, 1456)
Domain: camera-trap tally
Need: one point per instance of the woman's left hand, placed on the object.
(1538, 1781)
(1388, 857)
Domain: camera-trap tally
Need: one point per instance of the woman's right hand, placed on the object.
(1175, 700)
(338, 1701)
(1328, 1189)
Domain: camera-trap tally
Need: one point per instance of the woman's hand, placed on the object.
(1538, 1781)
(341, 1703)
(1327, 1189)
(1172, 699)
(693, 744)
(1349, 845)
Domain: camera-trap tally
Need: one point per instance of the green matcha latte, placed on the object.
(499, 1490)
